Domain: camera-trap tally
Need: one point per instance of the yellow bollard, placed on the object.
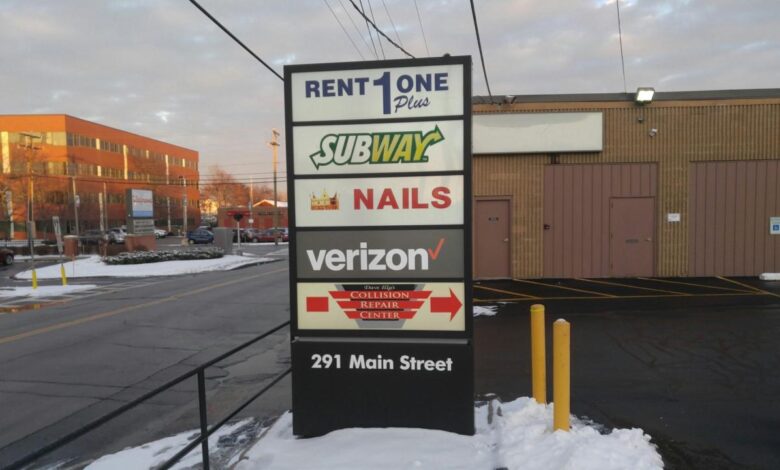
(561, 374)
(62, 274)
(538, 358)
(34, 279)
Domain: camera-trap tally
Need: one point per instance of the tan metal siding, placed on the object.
(731, 203)
(687, 132)
(576, 208)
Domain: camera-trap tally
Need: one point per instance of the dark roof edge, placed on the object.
(758, 93)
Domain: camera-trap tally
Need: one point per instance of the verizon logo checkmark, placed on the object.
(435, 253)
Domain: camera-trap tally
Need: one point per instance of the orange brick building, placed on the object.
(77, 166)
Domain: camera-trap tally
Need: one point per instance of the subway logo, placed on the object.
(378, 147)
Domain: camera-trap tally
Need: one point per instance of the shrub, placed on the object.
(142, 257)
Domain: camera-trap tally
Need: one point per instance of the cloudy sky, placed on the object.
(160, 68)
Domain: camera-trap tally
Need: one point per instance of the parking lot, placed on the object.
(692, 361)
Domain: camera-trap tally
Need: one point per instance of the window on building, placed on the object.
(55, 197)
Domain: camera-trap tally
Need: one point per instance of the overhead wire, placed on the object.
(344, 29)
(227, 31)
(380, 31)
(419, 19)
(387, 11)
(479, 43)
(620, 36)
(378, 39)
(368, 28)
(354, 25)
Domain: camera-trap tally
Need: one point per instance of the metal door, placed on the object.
(631, 236)
(491, 239)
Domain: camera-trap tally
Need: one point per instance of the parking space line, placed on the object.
(500, 291)
(602, 294)
(692, 284)
(608, 283)
(755, 289)
(634, 297)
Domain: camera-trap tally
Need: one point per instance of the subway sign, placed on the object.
(378, 174)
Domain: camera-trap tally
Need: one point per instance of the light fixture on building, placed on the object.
(644, 95)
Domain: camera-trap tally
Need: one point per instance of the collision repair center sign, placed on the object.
(378, 175)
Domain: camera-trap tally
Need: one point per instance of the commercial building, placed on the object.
(261, 215)
(600, 185)
(60, 165)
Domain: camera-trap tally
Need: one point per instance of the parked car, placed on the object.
(284, 231)
(92, 237)
(6, 257)
(160, 233)
(251, 235)
(272, 234)
(200, 235)
(116, 235)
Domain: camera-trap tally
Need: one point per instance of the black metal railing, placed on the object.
(205, 430)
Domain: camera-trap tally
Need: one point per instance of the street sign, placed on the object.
(55, 220)
(379, 171)
(774, 225)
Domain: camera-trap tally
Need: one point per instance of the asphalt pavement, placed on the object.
(696, 366)
(67, 363)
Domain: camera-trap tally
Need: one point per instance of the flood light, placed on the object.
(644, 95)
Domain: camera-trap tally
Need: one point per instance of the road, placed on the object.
(65, 364)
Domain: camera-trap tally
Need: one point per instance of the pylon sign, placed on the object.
(378, 175)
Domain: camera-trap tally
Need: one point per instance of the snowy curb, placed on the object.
(93, 267)
(770, 277)
(514, 435)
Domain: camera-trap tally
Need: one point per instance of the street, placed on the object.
(66, 364)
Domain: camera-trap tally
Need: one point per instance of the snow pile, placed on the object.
(44, 291)
(770, 277)
(141, 257)
(516, 435)
(94, 267)
(487, 311)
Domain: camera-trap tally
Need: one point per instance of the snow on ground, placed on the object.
(486, 311)
(770, 277)
(93, 267)
(44, 291)
(514, 435)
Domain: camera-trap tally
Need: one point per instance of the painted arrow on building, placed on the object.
(449, 305)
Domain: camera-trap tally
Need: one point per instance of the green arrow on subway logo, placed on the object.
(377, 147)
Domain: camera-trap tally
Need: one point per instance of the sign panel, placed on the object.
(375, 254)
(381, 384)
(379, 148)
(774, 225)
(538, 132)
(140, 203)
(378, 93)
(379, 201)
(140, 226)
(419, 306)
(379, 170)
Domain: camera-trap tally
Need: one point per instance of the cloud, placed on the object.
(161, 68)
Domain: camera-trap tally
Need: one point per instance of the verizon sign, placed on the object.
(378, 175)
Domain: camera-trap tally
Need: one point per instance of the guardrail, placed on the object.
(205, 431)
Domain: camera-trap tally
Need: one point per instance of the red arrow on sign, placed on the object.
(449, 305)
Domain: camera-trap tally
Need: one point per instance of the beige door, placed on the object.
(631, 236)
(491, 239)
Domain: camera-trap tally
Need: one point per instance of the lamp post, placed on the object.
(184, 210)
(275, 146)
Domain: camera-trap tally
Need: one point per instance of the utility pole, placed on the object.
(76, 201)
(184, 208)
(275, 146)
(30, 150)
(251, 220)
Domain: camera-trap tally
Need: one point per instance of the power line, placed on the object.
(368, 29)
(419, 19)
(620, 36)
(392, 23)
(380, 31)
(354, 25)
(371, 9)
(227, 31)
(481, 56)
(344, 29)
